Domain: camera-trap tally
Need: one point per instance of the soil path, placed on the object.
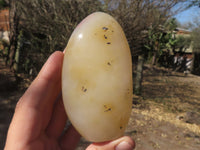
(166, 116)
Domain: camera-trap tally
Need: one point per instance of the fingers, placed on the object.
(70, 139)
(124, 143)
(42, 93)
(34, 109)
(46, 87)
(58, 120)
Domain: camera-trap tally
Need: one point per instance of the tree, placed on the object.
(195, 39)
(136, 18)
(46, 26)
(194, 3)
(195, 26)
(14, 31)
(182, 43)
(3, 4)
(196, 50)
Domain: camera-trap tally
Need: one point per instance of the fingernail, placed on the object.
(124, 146)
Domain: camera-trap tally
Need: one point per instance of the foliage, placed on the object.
(195, 39)
(3, 4)
(196, 50)
(161, 40)
(182, 43)
(158, 41)
(4, 44)
(171, 24)
(196, 64)
(47, 26)
(194, 3)
(137, 17)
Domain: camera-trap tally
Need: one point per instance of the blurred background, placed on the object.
(164, 38)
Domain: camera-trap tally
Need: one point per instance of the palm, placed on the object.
(47, 132)
(40, 118)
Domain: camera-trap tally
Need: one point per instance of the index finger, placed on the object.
(35, 107)
(46, 87)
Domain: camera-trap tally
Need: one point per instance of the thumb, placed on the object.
(123, 143)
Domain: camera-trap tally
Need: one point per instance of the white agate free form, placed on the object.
(97, 78)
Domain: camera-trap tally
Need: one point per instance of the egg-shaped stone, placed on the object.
(97, 78)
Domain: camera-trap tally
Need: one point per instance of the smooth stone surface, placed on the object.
(97, 78)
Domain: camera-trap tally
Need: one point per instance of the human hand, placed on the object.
(40, 118)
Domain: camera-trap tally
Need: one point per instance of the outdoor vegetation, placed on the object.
(161, 84)
(37, 28)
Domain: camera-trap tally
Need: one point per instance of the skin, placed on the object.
(40, 118)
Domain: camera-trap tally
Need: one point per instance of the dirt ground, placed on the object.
(166, 116)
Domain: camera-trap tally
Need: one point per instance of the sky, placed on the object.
(188, 15)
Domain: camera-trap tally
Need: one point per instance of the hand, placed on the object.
(40, 118)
